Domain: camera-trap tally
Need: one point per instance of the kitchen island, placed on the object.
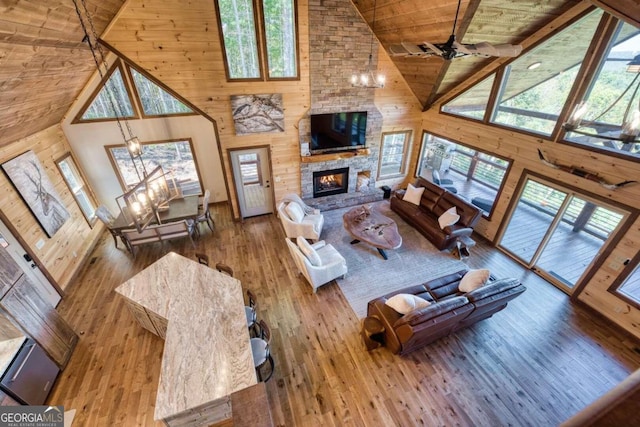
(207, 352)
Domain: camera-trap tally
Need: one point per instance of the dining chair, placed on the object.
(204, 215)
(104, 214)
(261, 350)
(202, 258)
(250, 310)
(224, 268)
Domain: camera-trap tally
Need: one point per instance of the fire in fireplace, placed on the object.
(329, 182)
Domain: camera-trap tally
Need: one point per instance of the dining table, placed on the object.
(179, 209)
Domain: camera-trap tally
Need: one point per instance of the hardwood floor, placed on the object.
(535, 363)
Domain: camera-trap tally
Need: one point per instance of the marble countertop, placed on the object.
(207, 353)
(8, 350)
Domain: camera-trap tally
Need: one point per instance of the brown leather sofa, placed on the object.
(450, 310)
(434, 202)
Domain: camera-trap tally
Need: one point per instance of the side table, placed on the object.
(463, 244)
(372, 333)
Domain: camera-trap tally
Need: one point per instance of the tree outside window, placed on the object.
(78, 187)
(175, 157)
(240, 35)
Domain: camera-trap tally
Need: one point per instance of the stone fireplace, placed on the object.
(330, 182)
(342, 30)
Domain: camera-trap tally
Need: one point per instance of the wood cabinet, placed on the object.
(149, 320)
(29, 311)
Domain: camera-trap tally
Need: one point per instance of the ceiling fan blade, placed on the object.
(409, 49)
(433, 48)
(488, 49)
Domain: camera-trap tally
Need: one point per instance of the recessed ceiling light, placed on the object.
(534, 65)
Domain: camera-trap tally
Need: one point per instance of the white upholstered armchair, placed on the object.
(319, 263)
(298, 219)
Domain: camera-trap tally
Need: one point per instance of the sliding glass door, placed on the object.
(557, 232)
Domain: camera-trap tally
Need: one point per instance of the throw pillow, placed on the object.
(449, 217)
(413, 194)
(295, 212)
(473, 280)
(308, 251)
(406, 303)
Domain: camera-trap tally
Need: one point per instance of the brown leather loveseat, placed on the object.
(449, 311)
(434, 202)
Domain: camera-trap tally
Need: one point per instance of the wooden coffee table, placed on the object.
(367, 225)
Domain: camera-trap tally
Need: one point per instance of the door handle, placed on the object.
(24, 362)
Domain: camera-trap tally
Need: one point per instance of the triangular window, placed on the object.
(155, 100)
(473, 102)
(111, 101)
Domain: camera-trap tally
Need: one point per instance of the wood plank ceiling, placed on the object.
(44, 65)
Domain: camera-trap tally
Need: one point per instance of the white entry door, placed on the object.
(252, 177)
(15, 250)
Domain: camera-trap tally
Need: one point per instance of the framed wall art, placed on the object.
(32, 183)
(257, 113)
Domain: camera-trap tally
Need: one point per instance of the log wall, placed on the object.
(62, 254)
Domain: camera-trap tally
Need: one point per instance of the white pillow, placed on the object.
(473, 280)
(308, 251)
(295, 212)
(406, 303)
(413, 194)
(449, 217)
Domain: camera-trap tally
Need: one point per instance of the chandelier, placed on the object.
(631, 120)
(368, 79)
(143, 202)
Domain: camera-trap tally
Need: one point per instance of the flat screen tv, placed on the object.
(338, 131)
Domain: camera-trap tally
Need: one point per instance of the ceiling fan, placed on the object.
(452, 49)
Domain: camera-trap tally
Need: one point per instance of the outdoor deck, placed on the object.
(567, 254)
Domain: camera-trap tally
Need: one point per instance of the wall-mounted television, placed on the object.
(338, 131)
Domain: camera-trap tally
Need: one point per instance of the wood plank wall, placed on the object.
(180, 46)
(523, 150)
(56, 258)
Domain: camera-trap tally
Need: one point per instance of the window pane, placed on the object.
(280, 30)
(393, 154)
(472, 174)
(155, 100)
(473, 102)
(109, 100)
(612, 82)
(76, 184)
(631, 287)
(239, 34)
(175, 156)
(532, 98)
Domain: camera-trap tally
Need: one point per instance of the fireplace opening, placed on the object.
(329, 182)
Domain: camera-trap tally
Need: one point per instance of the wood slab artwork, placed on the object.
(370, 226)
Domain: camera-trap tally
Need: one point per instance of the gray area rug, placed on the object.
(370, 276)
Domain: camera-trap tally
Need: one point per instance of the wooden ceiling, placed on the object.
(44, 64)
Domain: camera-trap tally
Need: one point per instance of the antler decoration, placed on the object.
(583, 173)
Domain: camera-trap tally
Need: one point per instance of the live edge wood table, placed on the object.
(368, 225)
(207, 359)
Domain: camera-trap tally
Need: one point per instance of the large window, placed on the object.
(473, 102)
(154, 100)
(630, 287)
(74, 180)
(239, 34)
(116, 96)
(109, 104)
(535, 86)
(612, 91)
(175, 157)
(393, 154)
(475, 175)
